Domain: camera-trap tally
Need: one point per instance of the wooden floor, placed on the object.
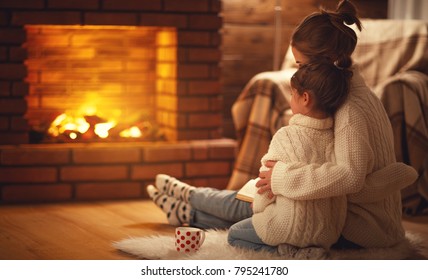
(85, 231)
(76, 231)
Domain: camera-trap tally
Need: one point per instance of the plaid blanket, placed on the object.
(259, 111)
(405, 97)
(388, 47)
(393, 58)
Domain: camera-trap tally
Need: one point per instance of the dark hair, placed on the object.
(326, 34)
(325, 82)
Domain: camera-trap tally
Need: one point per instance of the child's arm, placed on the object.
(323, 180)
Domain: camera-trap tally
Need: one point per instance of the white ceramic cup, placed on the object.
(188, 239)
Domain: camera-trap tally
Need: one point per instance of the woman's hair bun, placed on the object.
(347, 11)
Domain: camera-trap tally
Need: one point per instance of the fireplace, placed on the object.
(100, 83)
(145, 64)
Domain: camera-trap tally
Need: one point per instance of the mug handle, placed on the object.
(201, 241)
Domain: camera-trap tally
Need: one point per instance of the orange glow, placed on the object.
(133, 132)
(166, 37)
(66, 122)
(101, 129)
(107, 80)
(72, 125)
(165, 70)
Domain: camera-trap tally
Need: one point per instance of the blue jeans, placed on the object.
(243, 235)
(213, 208)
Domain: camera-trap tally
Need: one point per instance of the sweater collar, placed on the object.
(357, 80)
(302, 120)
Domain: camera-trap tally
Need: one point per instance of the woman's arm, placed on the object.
(384, 182)
(302, 181)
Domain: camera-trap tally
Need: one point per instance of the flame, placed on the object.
(132, 132)
(89, 110)
(81, 125)
(66, 122)
(101, 129)
(70, 125)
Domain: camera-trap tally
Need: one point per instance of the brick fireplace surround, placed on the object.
(90, 171)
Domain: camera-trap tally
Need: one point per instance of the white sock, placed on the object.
(173, 187)
(177, 211)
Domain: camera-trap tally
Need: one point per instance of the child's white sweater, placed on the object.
(317, 222)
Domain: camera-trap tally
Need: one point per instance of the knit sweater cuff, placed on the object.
(278, 177)
(261, 201)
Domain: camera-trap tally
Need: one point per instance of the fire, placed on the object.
(88, 126)
(66, 122)
(101, 129)
(133, 132)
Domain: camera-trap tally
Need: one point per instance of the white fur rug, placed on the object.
(215, 247)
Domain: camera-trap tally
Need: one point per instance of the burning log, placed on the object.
(93, 128)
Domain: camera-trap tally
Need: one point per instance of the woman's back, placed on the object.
(369, 223)
(364, 112)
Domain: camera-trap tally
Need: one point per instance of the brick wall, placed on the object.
(70, 172)
(189, 106)
(198, 41)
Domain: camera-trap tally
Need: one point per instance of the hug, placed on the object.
(330, 178)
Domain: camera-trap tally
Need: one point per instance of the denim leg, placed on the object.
(243, 235)
(221, 204)
(203, 220)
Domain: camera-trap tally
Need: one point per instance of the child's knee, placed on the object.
(231, 236)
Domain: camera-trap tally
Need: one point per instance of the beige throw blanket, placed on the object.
(405, 97)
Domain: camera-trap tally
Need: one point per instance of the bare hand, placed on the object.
(264, 184)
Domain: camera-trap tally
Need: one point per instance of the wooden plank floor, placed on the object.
(85, 231)
(80, 231)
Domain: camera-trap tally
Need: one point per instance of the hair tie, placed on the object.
(336, 63)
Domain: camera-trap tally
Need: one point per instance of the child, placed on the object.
(318, 89)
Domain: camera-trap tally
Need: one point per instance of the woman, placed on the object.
(365, 168)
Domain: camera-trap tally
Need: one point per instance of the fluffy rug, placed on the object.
(215, 247)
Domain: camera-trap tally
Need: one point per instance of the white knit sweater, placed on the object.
(365, 170)
(317, 222)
